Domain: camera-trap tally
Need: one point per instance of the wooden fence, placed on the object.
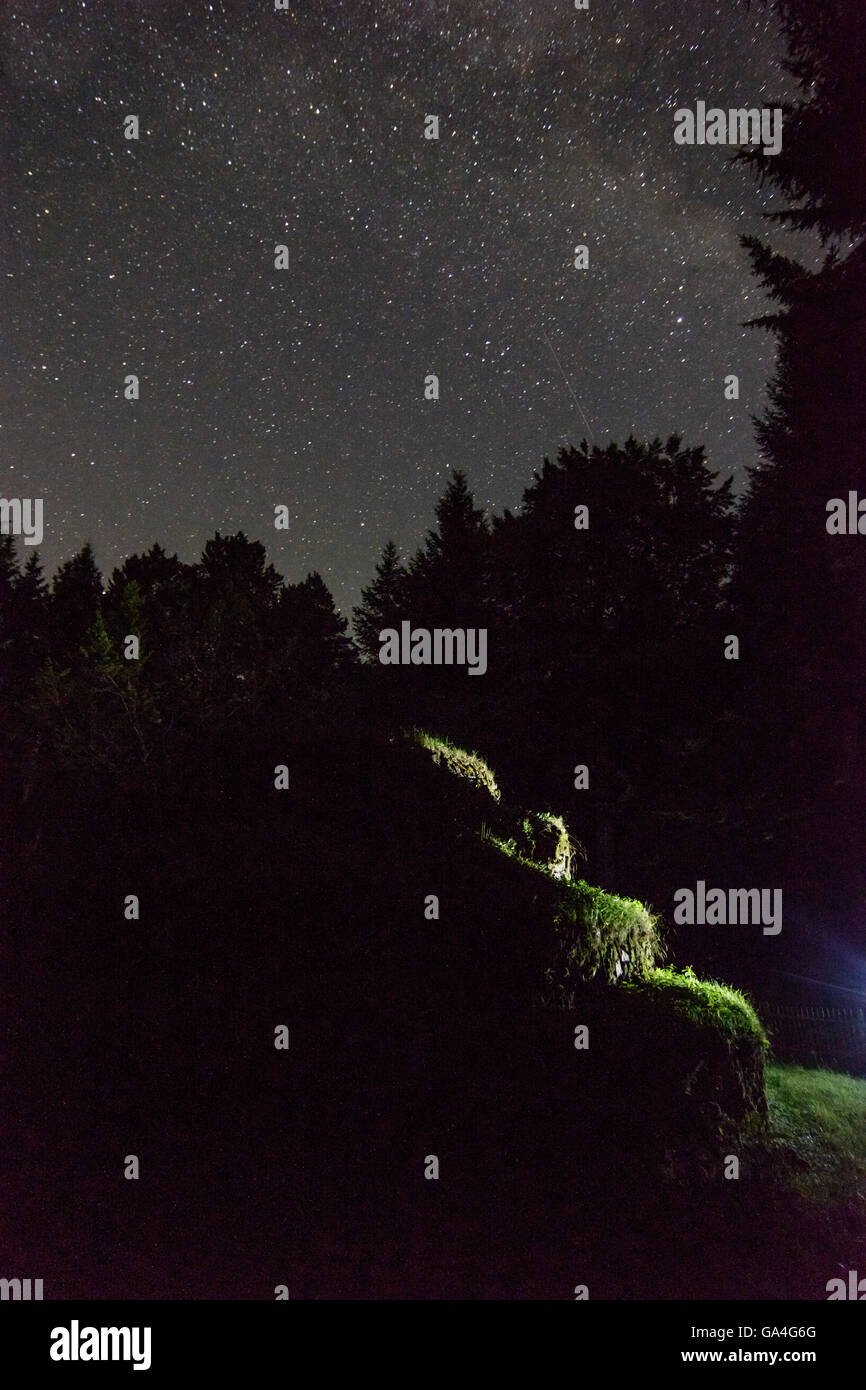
(817, 1035)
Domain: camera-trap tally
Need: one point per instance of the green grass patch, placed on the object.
(817, 1134)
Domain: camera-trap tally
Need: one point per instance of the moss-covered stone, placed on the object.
(710, 1042)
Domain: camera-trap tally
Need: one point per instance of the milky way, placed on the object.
(407, 256)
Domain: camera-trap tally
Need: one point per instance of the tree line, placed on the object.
(609, 597)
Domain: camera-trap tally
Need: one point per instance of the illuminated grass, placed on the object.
(706, 1003)
(469, 767)
(543, 838)
(709, 1043)
(598, 933)
(601, 931)
(591, 933)
(817, 1135)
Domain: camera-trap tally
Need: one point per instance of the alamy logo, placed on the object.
(76, 1343)
(743, 126)
(20, 1289)
(736, 907)
(847, 520)
(22, 516)
(855, 1290)
(444, 646)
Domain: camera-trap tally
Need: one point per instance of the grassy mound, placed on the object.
(591, 934)
(705, 1003)
(602, 934)
(468, 767)
(705, 1039)
(683, 1056)
(579, 932)
(540, 837)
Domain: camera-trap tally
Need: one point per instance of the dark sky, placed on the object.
(407, 256)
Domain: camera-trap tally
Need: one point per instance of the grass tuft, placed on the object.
(469, 766)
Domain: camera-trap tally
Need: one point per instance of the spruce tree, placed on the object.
(801, 592)
(380, 605)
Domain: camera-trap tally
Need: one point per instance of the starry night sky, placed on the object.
(407, 256)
